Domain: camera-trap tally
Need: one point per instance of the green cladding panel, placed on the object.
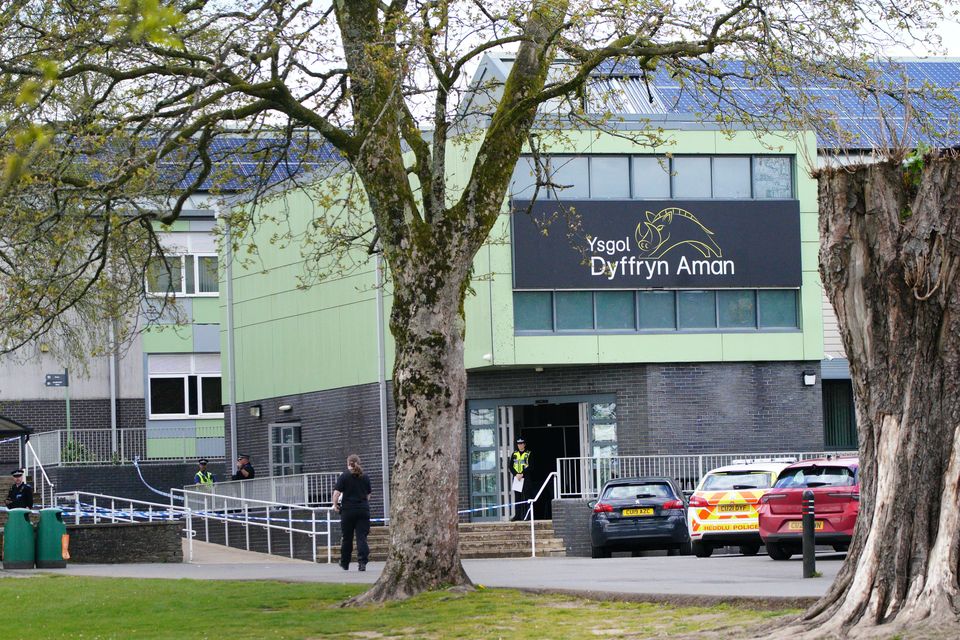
(293, 339)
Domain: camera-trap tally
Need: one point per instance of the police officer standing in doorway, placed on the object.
(520, 470)
(21, 494)
(203, 476)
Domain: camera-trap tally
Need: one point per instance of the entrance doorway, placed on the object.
(551, 431)
(553, 428)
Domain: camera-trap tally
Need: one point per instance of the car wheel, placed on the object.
(701, 549)
(749, 549)
(685, 549)
(599, 552)
(841, 548)
(778, 552)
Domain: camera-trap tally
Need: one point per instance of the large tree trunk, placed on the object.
(429, 388)
(890, 245)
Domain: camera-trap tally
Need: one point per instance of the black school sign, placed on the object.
(637, 244)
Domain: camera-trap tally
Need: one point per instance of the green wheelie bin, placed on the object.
(19, 546)
(50, 540)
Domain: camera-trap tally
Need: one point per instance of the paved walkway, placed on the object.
(723, 576)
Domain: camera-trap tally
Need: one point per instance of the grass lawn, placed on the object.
(72, 607)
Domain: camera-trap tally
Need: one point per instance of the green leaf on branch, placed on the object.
(150, 21)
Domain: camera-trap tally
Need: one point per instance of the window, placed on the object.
(569, 175)
(737, 309)
(731, 177)
(183, 275)
(778, 308)
(691, 177)
(658, 177)
(574, 310)
(772, 177)
(286, 450)
(165, 276)
(655, 311)
(651, 177)
(183, 385)
(609, 177)
(533, 311)
(697, 309)
(615, 310)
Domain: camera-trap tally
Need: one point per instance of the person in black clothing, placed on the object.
(21, 494)
(244, 468)
(351, 499)
(519, 465)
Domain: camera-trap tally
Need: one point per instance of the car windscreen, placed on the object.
(639, 490)
(807, 477)
(736, 480)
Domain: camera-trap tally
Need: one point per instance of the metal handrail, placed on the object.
(533, 531)
(46, 485)
(238, 512)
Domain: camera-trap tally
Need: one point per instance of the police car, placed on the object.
(723, 508)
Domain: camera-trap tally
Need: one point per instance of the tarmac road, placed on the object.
(722, 577)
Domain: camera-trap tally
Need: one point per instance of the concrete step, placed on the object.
(483, 540)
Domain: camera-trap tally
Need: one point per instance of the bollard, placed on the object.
(809, 527)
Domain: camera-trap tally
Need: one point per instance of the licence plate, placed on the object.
(797, 525)
(733, 507)
(645, 511)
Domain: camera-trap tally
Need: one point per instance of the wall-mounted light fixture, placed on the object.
(487, 356)
(809, 378)
(538, 369)
(284, 408)
(255, 411)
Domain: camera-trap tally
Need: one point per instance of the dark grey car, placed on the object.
(634, 514)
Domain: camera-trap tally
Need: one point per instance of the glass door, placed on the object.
(484, 485)
(505, 433)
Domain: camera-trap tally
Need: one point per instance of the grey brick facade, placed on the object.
(676, 408)
(123, 480)
(47, 415)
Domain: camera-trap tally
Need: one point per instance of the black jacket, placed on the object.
(249, 468)
(20, 497)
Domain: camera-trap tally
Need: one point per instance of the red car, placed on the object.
(836, 489)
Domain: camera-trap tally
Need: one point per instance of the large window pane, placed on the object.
(692, 177)
(207, 280)
(651, 177)
(570, 175)
(616, 310)
(731, 177)
(211, 401)
(609, 177)
(164, 276)
(574, 310)
(167, 396)
(533, 311)
(772, 177)
(737, 309)
(697, 309)
(524, 179)
(778, 309)
(657, 310)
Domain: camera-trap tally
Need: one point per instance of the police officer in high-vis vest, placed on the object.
(203, 476)
(520, 470)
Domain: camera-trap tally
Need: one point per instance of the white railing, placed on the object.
(42, 486)
(533, 530)
(275, 518)
(313, 522)
(303, 489)
(584, 477)
(95, 446)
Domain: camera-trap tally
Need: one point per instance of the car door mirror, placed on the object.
(592, 504)
(686, 494)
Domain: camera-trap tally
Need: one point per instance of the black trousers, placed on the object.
(354, 521)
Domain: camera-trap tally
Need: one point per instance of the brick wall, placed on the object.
(123, 481)
(46, 415)
(571, 523)
(680, 408)
(121, 543)
(334, 424)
